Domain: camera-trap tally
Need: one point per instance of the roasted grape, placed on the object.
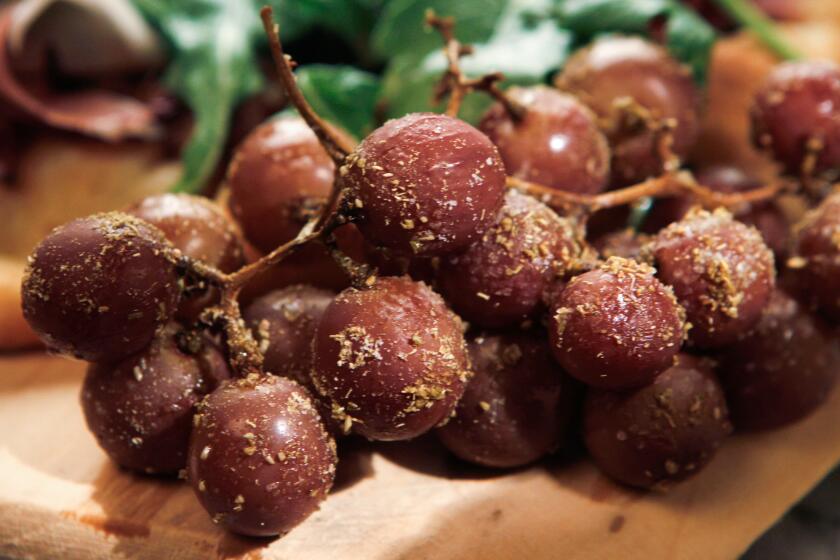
(816, 256)
(260, 460)
(616, 327)
(624, 243)
(614, 71)
(782, 370)
(283, 323)
(797, 113)
(99, 287)
(391, 359)
(721, 271)
(517, 407)
(662, 433)
(556, 142)
(425, 184)
(500, 280)
(278, 178)
(141, 408)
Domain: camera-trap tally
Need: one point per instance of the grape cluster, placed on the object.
(624, 340)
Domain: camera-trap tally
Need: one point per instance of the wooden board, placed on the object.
(61, 498)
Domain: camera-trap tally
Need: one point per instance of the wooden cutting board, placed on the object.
(61, 498)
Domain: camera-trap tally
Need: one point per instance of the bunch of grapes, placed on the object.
(626, 342)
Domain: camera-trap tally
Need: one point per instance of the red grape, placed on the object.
(260, 460)
(99, 287)
(816, 256)
(501, 279)
(425, 184)
(616, 327)
(556, 143)
(517, 407)
(661, 433)
(391, 359)
(721, 271)
(798, 109)
(615, 69)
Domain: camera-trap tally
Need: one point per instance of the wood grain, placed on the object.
(61, 498)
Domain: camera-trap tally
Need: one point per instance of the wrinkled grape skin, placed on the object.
(800, 102)
(278, 177)
(99, 287)
(425, 184)
(140, 409)
(517, 407)
(782, 370)
(619, 67)
(556, 143)
(284, 323)
(616, 327)
(659, 434)
(260, 461)
(721, 271)
(391, 358)
(816, 257)
(500, 280)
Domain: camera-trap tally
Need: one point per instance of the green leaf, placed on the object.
(524, 49)
(212, 69)
(343, 95)
(401, 27)
(690, 40)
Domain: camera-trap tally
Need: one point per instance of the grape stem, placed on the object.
(455, 84)
(669, 184)
(753, 19)
(336, 146)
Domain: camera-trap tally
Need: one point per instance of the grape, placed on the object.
(616, 327)
(661, 433)
(391, 358)
(279, 177)
(196, 226)
(284, 322)
(721, 271)
(816, 256)
(140, 408)
(615, 68)
(624, 243)
(767, 217)
(799, 107)
(518, 406)
(99, 287)
(780, 371)
(425, 184)
(200, 230)
(259, 459)
(557, 143)
(500, 280)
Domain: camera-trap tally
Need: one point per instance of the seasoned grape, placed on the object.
(662, 433)
(797, 110)
(391, 359)
(500, 280)
(615, 69)
(425, 184)
(556, 143)
(278, 179)
(816, 256)
(616, 327)
(141, 408)
(260, 460)
(283, 323)
(99, 287)
(721, 271)
(782, 370)
(517, 407)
